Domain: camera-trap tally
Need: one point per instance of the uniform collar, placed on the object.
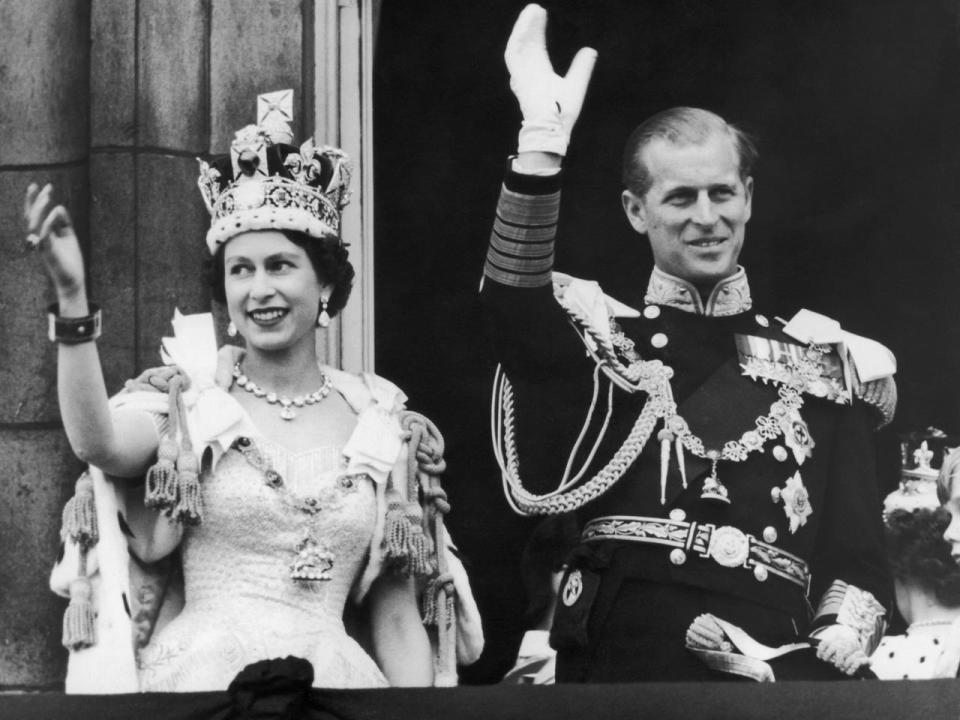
(730, 296)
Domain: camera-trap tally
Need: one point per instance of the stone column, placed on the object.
(44, 70)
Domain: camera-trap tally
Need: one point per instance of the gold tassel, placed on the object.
(421, 562)
(431, 607)
(407, 547)
(428, 603)
(80, 515)
(162, 481)
(189, 507)
(79, 620)
(396, 536)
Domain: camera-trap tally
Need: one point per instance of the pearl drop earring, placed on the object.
(323, 320)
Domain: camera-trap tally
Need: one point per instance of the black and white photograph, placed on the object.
(454, 359)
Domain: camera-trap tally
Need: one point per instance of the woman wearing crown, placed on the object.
(291, 491)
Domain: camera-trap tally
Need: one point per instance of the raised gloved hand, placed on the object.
(550, 104)
(839, 646)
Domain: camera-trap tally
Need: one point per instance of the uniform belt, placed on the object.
(726, 545)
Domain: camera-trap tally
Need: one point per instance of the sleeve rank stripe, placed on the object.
(517, 278)
(519, 233)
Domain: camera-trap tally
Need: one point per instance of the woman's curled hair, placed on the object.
(327, 255)
(919, 553)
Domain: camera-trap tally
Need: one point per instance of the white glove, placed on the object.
(550, 104)
(840, 647)
(705, 633)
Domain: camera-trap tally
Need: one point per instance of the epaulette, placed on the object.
(594, 315)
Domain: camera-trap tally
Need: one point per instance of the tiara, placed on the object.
(266, 183)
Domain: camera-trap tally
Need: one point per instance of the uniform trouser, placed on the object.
(635, 632)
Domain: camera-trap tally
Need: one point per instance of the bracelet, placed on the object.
(72, 331)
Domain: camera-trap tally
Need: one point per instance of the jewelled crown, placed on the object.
(266, 183)
(918, 479)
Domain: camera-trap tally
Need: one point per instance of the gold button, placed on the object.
(770, 534)
(780, 453)
(678, 515)
(760, 573)
(775, 494)
(651, 312)
(678, 556)
(659, 340)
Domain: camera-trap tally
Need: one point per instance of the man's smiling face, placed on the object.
(696, 210)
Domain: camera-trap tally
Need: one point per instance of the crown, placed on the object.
(918, 484)
(266, 183)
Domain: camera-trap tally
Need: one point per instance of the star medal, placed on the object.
(796, 436)
(796, 501)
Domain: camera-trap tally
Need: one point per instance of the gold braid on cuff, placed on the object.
(846, 604)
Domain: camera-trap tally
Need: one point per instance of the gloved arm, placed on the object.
(840, 646)
(550, 104)
(848, 625)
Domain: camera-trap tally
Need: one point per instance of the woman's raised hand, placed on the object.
(50, 231)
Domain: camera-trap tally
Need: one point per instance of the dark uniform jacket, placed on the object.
(785, 547)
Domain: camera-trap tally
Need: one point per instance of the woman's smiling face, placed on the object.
(272, 290)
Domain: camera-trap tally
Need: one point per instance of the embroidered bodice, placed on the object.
(242, 603)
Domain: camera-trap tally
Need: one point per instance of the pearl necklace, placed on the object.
(929, 623)
(287, 404)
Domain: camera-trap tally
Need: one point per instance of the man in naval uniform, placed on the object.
(719, 463)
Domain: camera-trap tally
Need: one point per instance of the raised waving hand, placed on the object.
(50, 231)
(550, 103)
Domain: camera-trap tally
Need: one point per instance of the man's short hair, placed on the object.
(680, 126)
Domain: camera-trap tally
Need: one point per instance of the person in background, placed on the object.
(927, 588)
(948, 493)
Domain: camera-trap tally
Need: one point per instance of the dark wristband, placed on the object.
(72, 331)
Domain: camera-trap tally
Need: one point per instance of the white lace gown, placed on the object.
(241, 603)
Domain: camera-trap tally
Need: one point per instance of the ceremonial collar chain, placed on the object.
(783, 418)
(313, 560)
(653, 378)
(730, 296)
(287, 404)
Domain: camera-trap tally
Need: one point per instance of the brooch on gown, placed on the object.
(313, 561)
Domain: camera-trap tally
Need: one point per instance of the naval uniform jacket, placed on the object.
(546, 361)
